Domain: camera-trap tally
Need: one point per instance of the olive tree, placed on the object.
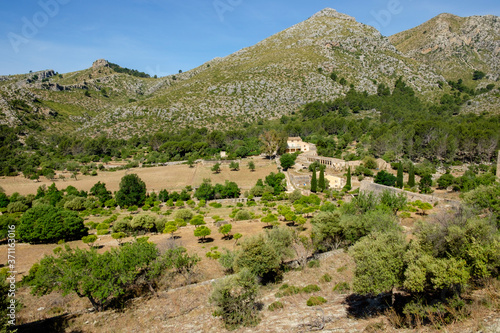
(379, 263)
(235, 298)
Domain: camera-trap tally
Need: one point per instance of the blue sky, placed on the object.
(162, 36)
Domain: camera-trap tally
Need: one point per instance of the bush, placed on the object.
(197, 220)
(102, 226)
(143, 222)
(385, 178)
(315, 300)
(101, 232)
(16, 207)
(122, 225)
(226, 260)
(261, 257)
(184, 214)
(215, 205)
(76, 204)
(48, 224)
(235, 299)
(133, 209)
(326, 278)
(243, 215)
(342, 287)
(370, 163)
(119, 236)
(213, 255)
(445, 181)
(89, 240)
(310, 288)
(313, 264)
(286, 290)
(275, 306)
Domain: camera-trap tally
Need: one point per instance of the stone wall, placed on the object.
(367, 186)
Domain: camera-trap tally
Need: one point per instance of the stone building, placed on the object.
(295, 144)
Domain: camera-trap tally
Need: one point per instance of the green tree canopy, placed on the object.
(99, 277)
(48, 224)
(132, 191)
(385, 178)
(379, 263)
(287, 161)
(99, 190)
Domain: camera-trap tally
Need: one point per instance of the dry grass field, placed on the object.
(173, 177)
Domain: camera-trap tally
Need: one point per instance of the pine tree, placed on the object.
(348, 185)
(314, 182)
(399, 181)
(411, 176)
(321, 181)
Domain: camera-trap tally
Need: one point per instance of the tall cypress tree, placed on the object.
(348, 185)
(314, 182)
(411, 176)
(321, 181)
(399, 180)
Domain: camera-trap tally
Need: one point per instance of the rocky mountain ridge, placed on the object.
(455, 45)
(320, 58)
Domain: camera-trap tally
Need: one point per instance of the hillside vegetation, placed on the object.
(318, 59)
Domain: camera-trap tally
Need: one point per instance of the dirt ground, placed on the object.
(174, 177)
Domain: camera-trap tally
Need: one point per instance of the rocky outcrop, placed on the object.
(100, 63)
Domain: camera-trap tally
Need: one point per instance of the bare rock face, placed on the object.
(100, 63)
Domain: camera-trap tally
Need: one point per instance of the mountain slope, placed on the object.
(274, 77)
(455, 46)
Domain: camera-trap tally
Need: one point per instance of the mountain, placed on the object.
(318, 59)
(455, 46)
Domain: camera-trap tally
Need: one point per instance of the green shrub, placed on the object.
(405, 215)
(89, 240)
(286, 290)
(243, 215)
(342, 288)
(275, 306)
(16, 207)
(226, 260)
(313, 264)
(102, 232)
(213, 255)
(235, 298)
(133, 208)
(326, 278)
(122, 225)
(92, 225)
(310, 288)
(215, 205)
(102, 226)
(184, 214)
(48, 224)
(315, 300)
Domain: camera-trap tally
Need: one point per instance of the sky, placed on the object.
(161, 37)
